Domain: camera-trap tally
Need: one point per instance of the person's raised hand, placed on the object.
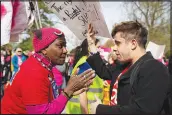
(91, 39)
(90, 35)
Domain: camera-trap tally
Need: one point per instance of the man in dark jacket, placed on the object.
(108, 72)
(146, 81)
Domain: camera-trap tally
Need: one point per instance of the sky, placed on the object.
(114, 12)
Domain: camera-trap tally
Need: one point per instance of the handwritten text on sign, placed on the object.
(77, 15)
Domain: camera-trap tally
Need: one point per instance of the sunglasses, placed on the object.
(19, 51)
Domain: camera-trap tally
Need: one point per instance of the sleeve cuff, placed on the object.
(93, 57)
(63, 98)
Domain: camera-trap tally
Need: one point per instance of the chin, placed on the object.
(123, 61)
(60, 63)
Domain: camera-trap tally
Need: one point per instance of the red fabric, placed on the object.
(48, 37)
(115, 88)
(15, 5)
(30, 86)
(3, 11)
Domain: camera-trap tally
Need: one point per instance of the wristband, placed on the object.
(68, 97)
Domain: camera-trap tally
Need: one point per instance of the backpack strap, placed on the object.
(135, 71)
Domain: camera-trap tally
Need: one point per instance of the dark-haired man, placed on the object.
(145, 81)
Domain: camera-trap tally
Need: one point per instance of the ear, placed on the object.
(134, 44)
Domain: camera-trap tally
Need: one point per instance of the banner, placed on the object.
(6, 20)
(156, 50)
(15, 17)
(77, 15)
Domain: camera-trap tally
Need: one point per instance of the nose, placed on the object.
(115, 48)
(64, 50)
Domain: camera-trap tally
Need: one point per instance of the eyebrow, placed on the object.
(116, 41)
(61, 43)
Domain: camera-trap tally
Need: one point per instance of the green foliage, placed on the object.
(167, 54)
(26, 44)
(43, 6)
(155, 16)
(7, 46)
(45, 21)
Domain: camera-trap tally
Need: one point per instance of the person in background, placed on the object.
(34, 88)
(2, 72)
(2, 61)
(7, 65)
(81, 104)
(17, 60)
(163, 60)
(111, 62)
(112, 58)
(69, 64)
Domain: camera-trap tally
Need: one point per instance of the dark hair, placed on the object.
(132, 30)
(17, 48)
(82, 50)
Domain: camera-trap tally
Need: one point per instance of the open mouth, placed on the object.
(118, 55)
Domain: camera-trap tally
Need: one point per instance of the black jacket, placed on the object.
(147, 93)
(109, 72)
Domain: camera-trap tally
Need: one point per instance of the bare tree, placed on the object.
(155, 16)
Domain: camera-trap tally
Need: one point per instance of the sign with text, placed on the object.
(156, 50)
(77, 15)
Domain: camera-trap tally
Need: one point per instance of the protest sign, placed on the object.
(77, 15)
(156, 50)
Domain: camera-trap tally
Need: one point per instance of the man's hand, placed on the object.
(91, 39)
(93, 106)
(90, 34)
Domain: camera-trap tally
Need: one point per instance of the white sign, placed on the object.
(156, 50)
(76, 16)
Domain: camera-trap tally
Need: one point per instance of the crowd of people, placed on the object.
(50, 80)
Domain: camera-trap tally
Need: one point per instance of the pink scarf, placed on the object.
(57, 76)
